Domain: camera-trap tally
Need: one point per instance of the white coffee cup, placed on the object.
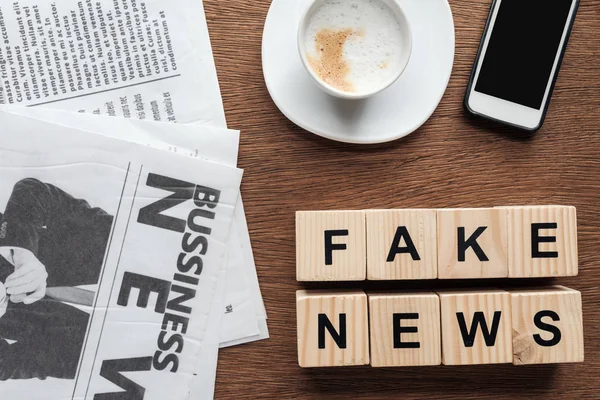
(405, 51)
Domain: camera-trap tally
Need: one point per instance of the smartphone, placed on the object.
(518, 61)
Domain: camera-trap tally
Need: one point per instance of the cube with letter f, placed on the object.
(330, 246)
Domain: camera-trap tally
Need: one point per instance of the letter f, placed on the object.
(330, 247)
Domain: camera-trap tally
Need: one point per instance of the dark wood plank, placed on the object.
(451, 161)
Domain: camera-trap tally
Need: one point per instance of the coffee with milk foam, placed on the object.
(354, 45)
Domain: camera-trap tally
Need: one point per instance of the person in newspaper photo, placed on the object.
(51, 245)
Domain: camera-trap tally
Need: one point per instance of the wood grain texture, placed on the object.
(492, 304)
(382, 307)
(481, 252)
(347, 263)
(521, 263)
(419, 228)
(355, 332)
(566, 304)
(452, 161)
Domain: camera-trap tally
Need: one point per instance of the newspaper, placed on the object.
(245, 318)
(146, 60)
(220, 148)
(131, 241)
(203, 385)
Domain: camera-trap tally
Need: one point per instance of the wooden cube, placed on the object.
(333, 328)
(330, 246)
(401, 244)
(476, 327)
(472, 243)
(547, 326)
(404, 329)
(542, 241)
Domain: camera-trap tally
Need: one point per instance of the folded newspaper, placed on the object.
(102, 82)
(127, 243)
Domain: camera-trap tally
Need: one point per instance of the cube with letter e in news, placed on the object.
(451, 327)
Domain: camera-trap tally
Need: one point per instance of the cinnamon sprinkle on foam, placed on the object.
(331, 66)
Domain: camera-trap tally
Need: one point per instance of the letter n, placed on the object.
(338, 338)
(152, 214)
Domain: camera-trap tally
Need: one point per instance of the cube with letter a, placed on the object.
(333, 328)
(542, 241)
(401, 244)
(476, 327)
(547, 326)
(330, 246)
(472, 243)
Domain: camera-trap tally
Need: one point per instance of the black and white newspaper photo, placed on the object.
(52, 247)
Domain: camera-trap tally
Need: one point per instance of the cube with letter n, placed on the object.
(333, 328)
(330, 246)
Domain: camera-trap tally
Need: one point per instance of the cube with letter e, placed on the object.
(333, 328)
(404, 329)
(547, 326)
(542, 241)
(330, 246)
(476, 327)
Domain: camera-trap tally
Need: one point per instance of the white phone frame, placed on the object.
(503, 110)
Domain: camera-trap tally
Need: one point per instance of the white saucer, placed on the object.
(390, 115)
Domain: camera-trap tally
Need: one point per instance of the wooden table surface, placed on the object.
(452, 161)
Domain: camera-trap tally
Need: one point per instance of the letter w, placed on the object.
(111, 370)
(152, 214)
(479, 318)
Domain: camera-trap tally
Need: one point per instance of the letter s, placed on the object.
(537, 320)
(168, 344)
(185, 266)
(168, 359)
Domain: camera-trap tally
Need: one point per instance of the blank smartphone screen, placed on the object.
(522, 49)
